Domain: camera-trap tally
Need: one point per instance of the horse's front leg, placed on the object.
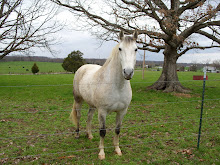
(102, 117)
(119, 118)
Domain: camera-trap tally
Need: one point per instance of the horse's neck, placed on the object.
(112, 69)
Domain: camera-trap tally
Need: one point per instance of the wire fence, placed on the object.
(3, 114)
(86, 109)
(146, 82)
(107, 129)
(106, 147)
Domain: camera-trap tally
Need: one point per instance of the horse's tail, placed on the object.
(73, 114)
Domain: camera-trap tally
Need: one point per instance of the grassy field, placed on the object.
(159, 128)
(24, 67)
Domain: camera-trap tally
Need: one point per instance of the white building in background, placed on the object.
(211, 69)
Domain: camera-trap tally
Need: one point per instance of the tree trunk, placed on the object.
(168, 81)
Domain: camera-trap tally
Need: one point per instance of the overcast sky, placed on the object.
(71, 40)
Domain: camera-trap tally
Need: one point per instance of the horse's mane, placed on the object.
(113, 54)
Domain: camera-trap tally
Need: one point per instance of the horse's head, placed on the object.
(127, 53)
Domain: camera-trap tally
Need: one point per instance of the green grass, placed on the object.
(159, 128)
(24, 67)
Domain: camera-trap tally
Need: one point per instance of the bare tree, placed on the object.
(216, 63)
(26, 24)
(172, 26)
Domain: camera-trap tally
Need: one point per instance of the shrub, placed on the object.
(73, 61)
(35, 69)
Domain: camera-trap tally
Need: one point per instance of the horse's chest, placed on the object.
(116, 99)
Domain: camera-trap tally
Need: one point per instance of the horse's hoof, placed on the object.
(118, 152)
(90, 137)
(77, 136)
(101, 157)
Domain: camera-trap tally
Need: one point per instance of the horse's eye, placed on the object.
(136, 49)
(119, 49)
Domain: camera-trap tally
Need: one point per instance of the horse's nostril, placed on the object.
(128, 72)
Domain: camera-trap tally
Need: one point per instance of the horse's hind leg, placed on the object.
(89, 120)
(75, 115)
(119, 118)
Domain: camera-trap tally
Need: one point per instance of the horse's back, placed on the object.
(85, 70)
(82, 78)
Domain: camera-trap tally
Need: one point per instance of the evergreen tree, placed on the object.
(73, 61)
(35, 68)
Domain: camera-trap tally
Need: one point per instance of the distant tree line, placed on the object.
(31, 58)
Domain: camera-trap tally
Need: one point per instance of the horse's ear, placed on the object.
(135, 35)
(121, 35)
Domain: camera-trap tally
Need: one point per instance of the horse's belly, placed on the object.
(85, 86)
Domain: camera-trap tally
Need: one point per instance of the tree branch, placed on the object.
(173, 26)
(212, 37)
(196, 27)
(202, 23)
(196, 47)
(191, 5)
(160, 4)
(22, 28)
(149, 49)
(151, 46)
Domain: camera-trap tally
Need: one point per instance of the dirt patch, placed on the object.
(186, 95)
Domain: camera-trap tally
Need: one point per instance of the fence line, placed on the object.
(86, 109)
(107, 129)
(20, 86)
(90, 149)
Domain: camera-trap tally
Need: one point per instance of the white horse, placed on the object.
(106, 88)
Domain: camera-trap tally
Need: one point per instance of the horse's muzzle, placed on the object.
(128, 73)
